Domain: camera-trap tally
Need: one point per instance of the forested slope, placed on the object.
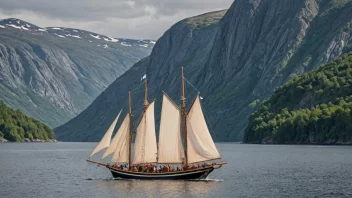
(14, 126)
(314, 108)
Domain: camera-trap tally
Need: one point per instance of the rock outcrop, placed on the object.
(3, 140)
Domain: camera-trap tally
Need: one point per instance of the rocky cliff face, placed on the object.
(52, 74)
(235, 63)
(262, 44)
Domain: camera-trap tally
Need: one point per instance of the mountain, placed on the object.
(54, 73)
(189, 39)
(312, 109)
(236, 61)
(14, 126)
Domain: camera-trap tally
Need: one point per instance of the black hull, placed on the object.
(180, 175)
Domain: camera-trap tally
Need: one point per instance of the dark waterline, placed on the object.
(60, 170)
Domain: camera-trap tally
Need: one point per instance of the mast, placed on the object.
(184, 115)
(145, 93)
(130, 139)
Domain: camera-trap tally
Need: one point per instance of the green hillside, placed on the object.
(14, 126)
(314, 108)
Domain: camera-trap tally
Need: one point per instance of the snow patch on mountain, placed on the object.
(124, 44)
(62, 32)
(112, 39)
(109, 39)
(97, 36)
(24, 28)
(75, 36)
(59, 35)
(14, 26)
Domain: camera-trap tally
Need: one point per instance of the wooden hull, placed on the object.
(179, 175)
(201, 173)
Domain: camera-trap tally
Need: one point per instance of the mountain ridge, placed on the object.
(63, 32)
(52, 78)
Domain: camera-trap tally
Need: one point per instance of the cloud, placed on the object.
(118, 18)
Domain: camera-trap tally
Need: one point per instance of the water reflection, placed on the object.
(160, 188)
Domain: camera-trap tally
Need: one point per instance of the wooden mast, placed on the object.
(145, 93)
(130, 139)
(184, 113)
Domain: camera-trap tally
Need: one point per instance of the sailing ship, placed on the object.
(184, 140)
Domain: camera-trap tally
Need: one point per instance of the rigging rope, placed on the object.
(191, 84)
(207, 120)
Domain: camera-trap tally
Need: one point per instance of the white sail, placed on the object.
(200, 145)
(122, 142)
(119, 135)
(170, 149)
(105, 141)
(145, 150)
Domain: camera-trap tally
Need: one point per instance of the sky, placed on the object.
(137, 19)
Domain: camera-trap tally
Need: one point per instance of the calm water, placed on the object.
(60, 170)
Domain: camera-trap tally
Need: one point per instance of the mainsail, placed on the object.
(170, 149)
(117, 142)
(201, 146)
(145, 150)
(105, 141)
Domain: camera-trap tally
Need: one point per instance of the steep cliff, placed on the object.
(237, 63)
(52, 74)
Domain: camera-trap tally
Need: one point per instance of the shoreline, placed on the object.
(27, 140)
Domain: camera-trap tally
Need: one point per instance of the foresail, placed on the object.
(170, 149)
(200, 144)
(119, 135)
(145, 150)
(105, 141)
(122, 147)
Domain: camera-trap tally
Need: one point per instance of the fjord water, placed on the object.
(60, 170)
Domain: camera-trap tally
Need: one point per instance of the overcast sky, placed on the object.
(116, 18)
